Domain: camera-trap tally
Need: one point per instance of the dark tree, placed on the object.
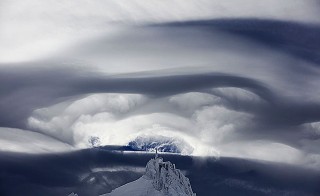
(94, 141)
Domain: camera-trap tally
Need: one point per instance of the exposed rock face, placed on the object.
(167, 179)
(160, 179)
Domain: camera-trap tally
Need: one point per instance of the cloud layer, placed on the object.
(36, 29)
(237, 87)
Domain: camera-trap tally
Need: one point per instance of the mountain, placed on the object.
(161, 143)
(160, 179)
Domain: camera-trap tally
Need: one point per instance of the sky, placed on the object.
(236, 79)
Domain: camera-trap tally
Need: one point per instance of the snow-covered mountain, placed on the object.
(161, 143)
(160, 179)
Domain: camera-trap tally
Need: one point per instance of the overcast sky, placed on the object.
(234, 79)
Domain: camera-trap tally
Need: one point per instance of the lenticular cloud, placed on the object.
(193, 123)
(118, 119)
(61, 120)
(199, 119)
(210, 77)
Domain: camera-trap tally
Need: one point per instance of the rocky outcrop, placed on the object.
(160, 179)
(167, 179)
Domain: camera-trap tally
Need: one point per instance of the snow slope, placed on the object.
(140, 187)
(160, 179)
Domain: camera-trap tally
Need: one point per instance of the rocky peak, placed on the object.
(167, 179)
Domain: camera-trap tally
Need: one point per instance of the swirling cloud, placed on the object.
(239, 87)
(58, 119)
(35, 29)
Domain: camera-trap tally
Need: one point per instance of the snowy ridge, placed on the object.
(160, 179)
(162, 144)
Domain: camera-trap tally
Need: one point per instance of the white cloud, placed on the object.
(311, 160)
(17, 140)
(58, 119)
(312, 129)
(238, 95)
(193, 100)
(35, 29)
(118, 119)
(211, 129)
(122, 131)
(217, 123)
